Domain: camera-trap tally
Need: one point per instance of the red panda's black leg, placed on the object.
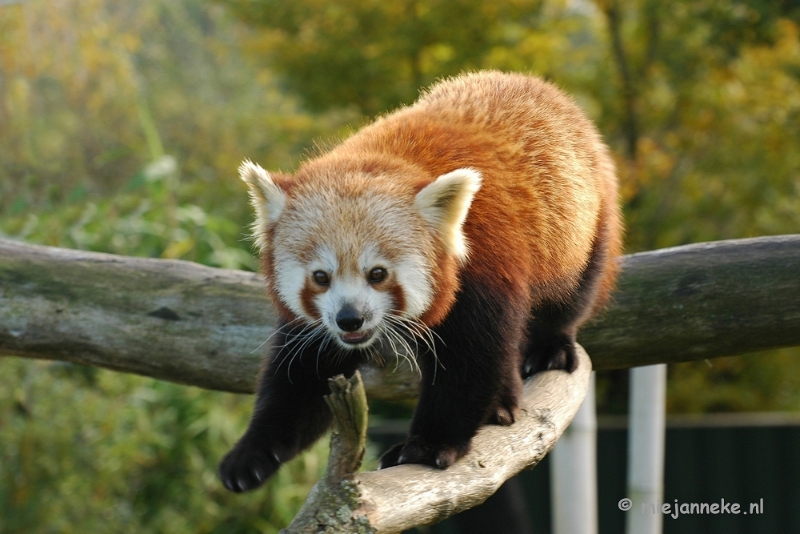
(290, 412)
(473, 379)
(507, 400)
(552, 328)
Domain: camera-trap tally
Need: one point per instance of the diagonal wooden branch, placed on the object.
(346, 502)
(187, 323)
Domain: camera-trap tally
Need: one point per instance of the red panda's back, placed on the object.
(549, 187)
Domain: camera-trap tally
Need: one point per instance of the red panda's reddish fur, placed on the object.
(543, 233)
(521, 228)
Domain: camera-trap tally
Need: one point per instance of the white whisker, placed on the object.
(311, 336)
(418, 331)
(393, 329)
(300, 340)
(389, 333)
(322, 346)
(274, 332)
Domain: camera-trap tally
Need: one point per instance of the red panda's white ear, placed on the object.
(445, 202)
(266, 197)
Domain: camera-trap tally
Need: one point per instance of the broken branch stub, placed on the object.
(333, 501)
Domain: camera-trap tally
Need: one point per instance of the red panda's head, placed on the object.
(361, 254)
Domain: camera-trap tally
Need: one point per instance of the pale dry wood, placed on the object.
(179, 321)
(396, 499)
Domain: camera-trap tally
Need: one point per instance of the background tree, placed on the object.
(703, 111)
(386, 51)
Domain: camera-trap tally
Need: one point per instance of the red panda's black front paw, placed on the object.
(390, 458)
(245, 468)
(417, 450)
(550, 353)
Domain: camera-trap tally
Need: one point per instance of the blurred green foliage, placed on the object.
(86, 450)
(384, 51)
(118, 136)
(122, 124)
(700, 99)
(98, 100)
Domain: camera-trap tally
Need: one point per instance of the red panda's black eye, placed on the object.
(321, 278)
(377, 275)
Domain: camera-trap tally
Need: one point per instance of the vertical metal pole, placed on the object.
(573, 478)
(646, 449)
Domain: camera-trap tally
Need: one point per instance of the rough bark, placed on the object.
(173, 320)
(700, 301)
(402, 497)
(187, 323)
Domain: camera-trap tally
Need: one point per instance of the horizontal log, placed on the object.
(168, 319)
(187, 323)
(700, 301)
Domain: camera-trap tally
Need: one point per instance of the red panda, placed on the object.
(477, 229)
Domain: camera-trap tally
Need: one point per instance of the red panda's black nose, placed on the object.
(348, 318)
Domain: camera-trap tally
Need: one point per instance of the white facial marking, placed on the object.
(347, 237)
(355, 291)
(325, 260)
(412, 275)
(370, 257)
(290, 278)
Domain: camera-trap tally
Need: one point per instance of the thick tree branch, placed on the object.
(187, 323)
(700, 301)
(399, 498)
